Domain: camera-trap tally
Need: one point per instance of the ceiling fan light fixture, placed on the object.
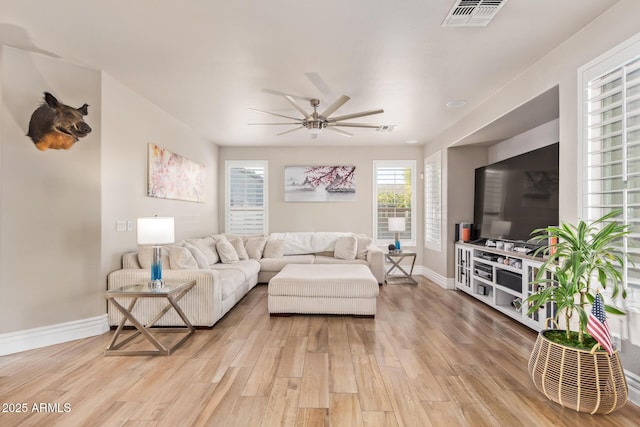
(314, 126)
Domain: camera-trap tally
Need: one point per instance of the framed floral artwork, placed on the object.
(320, 184)
(171, 176)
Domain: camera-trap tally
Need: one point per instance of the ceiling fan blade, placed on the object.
(336, 104)
(290, 130)
(281, 123)
(340, 131)
(279, 93)
(320, 84)
(274, 114)
(354, 125)
(354, 115)
(297, 107)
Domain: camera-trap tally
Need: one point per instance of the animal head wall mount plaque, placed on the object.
(56, 125)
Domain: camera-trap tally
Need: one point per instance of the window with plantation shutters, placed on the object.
(246, 197)
(393, 186)
(432, 201)
(610, 135)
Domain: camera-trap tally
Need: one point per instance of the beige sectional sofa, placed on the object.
(226, 267)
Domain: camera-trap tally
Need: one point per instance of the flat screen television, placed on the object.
(515, 196)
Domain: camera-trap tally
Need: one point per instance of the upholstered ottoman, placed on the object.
(323, 289)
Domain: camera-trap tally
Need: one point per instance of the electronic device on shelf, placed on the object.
(515, 196)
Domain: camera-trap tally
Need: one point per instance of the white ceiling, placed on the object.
(206, 62)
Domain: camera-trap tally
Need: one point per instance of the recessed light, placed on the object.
(457, 103)
(412, 141)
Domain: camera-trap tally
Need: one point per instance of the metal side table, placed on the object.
(395, 258)
(172, 292)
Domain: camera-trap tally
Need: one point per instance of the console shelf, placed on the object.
(501, 280)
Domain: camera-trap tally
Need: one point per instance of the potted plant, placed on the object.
(566, 365)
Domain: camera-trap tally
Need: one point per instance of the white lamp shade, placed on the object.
(155, 230)
(396, 224)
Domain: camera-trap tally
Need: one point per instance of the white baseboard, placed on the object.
(438, 279)
(29, 339)
(633, 381)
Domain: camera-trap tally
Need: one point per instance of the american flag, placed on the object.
(597, 325)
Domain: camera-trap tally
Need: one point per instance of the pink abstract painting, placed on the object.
(172, 176)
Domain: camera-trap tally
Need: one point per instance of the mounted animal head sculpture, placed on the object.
(56, 125)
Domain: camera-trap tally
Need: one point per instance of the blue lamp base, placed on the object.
(156, 282)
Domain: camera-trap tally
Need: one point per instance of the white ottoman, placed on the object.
(323, 289)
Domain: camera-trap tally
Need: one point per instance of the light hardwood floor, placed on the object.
(431, 357)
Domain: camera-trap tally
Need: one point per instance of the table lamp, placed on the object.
(397, 224)
(155, 231)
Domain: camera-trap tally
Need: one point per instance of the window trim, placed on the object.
(432, 242)
(612, 60)
(412, 164)
(228, 165)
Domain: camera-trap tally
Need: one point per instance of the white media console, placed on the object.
(501, 279)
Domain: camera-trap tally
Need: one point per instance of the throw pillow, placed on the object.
(363, 246)
(346, 247)
(145, 256)
(208, 247)
(255, 247)
(180, 258)
(273, 249)
(228, 254)
(237, 244)
(199, 256)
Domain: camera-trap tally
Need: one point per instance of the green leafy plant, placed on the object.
(583, 252)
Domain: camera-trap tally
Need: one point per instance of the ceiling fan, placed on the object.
(315, 122)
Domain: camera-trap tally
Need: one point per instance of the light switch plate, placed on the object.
(129, 225)
(121, 226)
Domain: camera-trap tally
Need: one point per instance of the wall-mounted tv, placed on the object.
(515, 196)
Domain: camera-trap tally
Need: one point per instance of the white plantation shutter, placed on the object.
(246, 197)
(394, 182)
(433, 201)
(611, 147)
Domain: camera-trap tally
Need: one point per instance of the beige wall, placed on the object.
(345, 216)
(130, 123)
(49, 201)
(559, 67)
(58, 209)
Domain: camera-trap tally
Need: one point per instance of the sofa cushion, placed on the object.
(273, 249)
(145, 256)
(226, 251)
(255, 247)
(199, 256)
(181, 258)
(298, 243)
(364, 243)
(249, 267)
(276, 264)
(332, 260)
(130, 260)
(238, 245)
(207, 246)
(346, 247)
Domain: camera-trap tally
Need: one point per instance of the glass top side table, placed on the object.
(172, 292)
(395, 258)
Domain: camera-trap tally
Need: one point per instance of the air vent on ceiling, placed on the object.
(385, 128)
(472, 13)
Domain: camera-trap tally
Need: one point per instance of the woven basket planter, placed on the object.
(586, 381)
